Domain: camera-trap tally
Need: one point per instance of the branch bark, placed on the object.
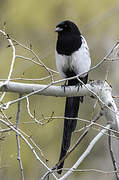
(97, 89)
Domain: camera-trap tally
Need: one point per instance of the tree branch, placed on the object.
(87, 151)
(98, 89)
(112, 156)
(18, 141)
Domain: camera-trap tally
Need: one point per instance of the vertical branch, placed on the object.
(112, 156)
(17, 138)
(13, 60)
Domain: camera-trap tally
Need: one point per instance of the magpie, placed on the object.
(72, 58)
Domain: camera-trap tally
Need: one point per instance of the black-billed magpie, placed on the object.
(72, 58)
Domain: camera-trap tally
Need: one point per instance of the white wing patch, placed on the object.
(79, 61)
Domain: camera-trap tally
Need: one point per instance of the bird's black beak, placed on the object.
(58, 29)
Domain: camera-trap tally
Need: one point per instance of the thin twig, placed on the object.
(107, 55)
(89, 170)
(5, 130)
(27, 79)
(116, 59)
(17, 138)
(112, 157)
(12, 62)
(49, 119)
(36, 56)
(37, 63)
(29, 112)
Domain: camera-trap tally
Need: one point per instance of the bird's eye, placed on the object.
(65, 25)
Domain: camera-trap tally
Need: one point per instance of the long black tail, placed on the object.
(71, 111)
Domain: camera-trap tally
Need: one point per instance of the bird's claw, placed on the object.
(78, 85)
(64, 85)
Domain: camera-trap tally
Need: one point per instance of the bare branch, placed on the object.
(106, 57)
(37, 63)
(85, 154)
(36, 56)
(28, 110)
(13, 60)
(112, 156)
(18, 142)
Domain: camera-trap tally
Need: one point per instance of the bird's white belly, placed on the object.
(79, 62)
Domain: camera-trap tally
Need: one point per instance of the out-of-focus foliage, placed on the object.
(34, 21)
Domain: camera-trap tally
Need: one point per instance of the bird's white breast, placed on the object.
(79, 61)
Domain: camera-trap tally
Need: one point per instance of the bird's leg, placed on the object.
(78, 85)
(64, 85)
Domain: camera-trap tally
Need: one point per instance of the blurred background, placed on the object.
(33, 22)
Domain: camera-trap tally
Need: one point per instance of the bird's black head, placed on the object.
(69, 38)
(67, 27)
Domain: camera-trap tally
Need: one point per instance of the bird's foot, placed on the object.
(78, 85)
(64, 86)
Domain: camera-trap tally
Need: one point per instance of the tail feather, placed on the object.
(71, 111)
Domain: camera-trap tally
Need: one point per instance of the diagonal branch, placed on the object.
(79, 139)
(85, 154)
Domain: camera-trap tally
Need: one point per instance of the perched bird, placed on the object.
(72, 58)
